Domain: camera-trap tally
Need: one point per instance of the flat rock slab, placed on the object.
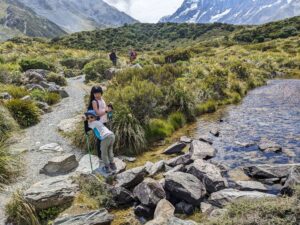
(251, 186)
(266, 171)
(52, 192)
(149, 192)
(131, 178)
(60, 165)
(99, 217)
(185, 187)
(225, 196)
(69, 125)
(201, 150)
(85, 164)
(175, 148)
(52, 147)
(179, 160)
(209, 174)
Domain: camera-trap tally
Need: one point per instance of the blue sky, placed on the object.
(146, 10)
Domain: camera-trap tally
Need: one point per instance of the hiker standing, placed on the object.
(113, 57)
(132, 55)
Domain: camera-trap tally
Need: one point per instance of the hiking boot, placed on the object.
(106, 169)
(113, 166)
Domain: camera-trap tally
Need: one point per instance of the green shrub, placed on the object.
(159, 129)
(240, 70)
(14, 91)
(27, 64)
(130, 135)
(52, 98)
(72, 73)
(206, 107)
(56, 78)
(177, 120)
(7, 123)
(179, 55)
(74, 63)
(20, 212)
(38, 95)
(26, 113)
(95, 70)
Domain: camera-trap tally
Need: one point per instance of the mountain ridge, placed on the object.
(234, 11)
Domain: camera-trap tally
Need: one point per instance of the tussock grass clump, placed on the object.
(56, 78)
(159, 129)
(20, 212)
(45, 96)
(95, 70)
(7, 124)
(26, 113)
(14, 91)
(177, 120)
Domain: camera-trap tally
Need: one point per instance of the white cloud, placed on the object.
(146, 10)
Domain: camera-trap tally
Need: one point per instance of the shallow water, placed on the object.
(270, 112)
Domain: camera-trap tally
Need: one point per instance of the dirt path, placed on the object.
(44, 133)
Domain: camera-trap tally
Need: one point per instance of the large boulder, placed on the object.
(179, 168)
(120, 165)
(292, 180)
(225, 196)
(131, 178)
(87, 164)
(179, 160)
(149, 192)
(209, 174)
(154, 168)
(185, 187)
(56, 191)
(98, 217)
(201, 150)
(184, 208)
(266, 171)
(164, 215)
(121, 196)
(60, 165)
(69, 125)
(175, 148)
(251, 186)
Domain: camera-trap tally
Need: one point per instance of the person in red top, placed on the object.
(132, 56)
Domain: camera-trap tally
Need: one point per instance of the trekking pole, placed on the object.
(89, 149)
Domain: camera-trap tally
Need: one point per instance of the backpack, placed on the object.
(86, 125)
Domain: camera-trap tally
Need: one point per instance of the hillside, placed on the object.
(79, 15)
(169, 35)
(17, 19)
(234, 11)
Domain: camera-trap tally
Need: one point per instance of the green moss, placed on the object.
(206, 107)
(29, 63)
(177, 120)
(159, 129)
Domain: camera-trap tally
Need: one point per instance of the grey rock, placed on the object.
(110, 73)
(201, 150)
(292, 180)
(217, 212)
(98, 217)
(32, 87)
(60, 165)
(127, 159)
(269, 146)
(5, 95)
(186, 139)
(121, 196)
(179, 160)
(41, 72)
(206, 207)
(84, 166)
(26, 98)
(266, 171)
(175, 148)
(120, 165)
(43, 106)
(208, 138)
(225, 196)
(209, 174)
(154, 168)
(184, 208)
(131, 178)
(56, 191)
(178, 168)
(185, 187)
(143, 211)
(149, 192)
(244, 144)
(34, 76)
(45, 84)
(251, 186)
(63, 93)
(52, 147)
(215, 132)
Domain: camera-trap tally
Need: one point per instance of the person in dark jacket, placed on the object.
(113, 57)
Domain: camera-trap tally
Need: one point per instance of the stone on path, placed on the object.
(201, 150)
(209, 174)
(98, 217)
(56, 191)
(68, 125)
(60, 165)
(131, 178)
(52, 147)
(251, 186)
(266, 171)
(85, 164)
(175, 148)
(185, 187)
(225, 196)
(149, 192)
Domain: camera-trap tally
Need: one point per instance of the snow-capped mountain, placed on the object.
(234, 11)
(79, 15)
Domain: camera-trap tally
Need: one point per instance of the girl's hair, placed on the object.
(95, 89)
